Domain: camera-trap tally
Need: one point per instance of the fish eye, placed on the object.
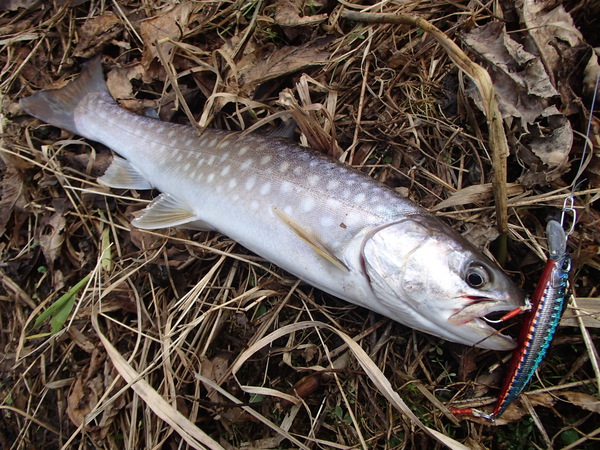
(477, 276)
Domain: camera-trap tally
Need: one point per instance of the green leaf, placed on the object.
(61, 309)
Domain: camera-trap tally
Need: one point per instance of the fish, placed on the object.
(539, 325)
(320, 220)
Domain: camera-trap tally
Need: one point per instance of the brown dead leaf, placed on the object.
(552, 30)
(585, 401)
(520, 79)
(96, 33)
(168, 25)
(524, 91)
(215, 369)
(12, 194)
(556, 38)
(52, 238)
(590, 74)
(119, 79)
(288, 15)
(284, 61)
(86, 390)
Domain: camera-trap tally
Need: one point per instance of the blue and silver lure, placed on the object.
(539, 324)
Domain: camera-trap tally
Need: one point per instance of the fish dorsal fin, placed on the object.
(122, 175)
(308, 237)
(165, 211)
(284, 131)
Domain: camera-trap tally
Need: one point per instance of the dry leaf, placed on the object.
(119, 79)
(52, 237)
(284, 61)
(585, 401)
(96, 32)
(551, 28)
(524, 91)
(520, 79)
(169, 25)
(12, 193)
(288, 15)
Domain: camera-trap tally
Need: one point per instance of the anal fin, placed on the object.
(122, 175)
(308, 237)
(167, 211)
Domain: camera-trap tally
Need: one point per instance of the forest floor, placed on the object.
(116, 337)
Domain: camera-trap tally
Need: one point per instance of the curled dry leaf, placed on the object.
(119, 79)
(525, 92)
(552, 31)
(96, 33)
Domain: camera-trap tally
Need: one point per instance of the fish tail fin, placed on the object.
(57, 106)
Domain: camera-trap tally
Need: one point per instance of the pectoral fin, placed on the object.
(122, 175)
(308, 237)
(167, 211)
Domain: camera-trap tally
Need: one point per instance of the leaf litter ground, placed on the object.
(113, 337)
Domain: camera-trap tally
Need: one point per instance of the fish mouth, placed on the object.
(475, 317)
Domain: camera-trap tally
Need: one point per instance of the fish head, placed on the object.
(427, 276)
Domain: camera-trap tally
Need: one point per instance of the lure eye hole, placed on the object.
(477, 276)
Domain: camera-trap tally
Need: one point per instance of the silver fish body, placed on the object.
(320, 220)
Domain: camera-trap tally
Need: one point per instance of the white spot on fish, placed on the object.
(286, 187)
(199, 163)
(288, 210)
(313, 180)
(179, 157)
(212, 142)
(333, 184)
(210, 177)
(225, 170)
(308, 203)
(326, 221)
(283, 168)
(211, 160)
(224, 156)
(246, 164)
(235, 197)
(297, 170)
(243, 150)
(265, 188)
(352, 218)
(171, 132)
(250, 182)
(232, 183)
(254, 205)
(189, 142)
(265, 159)
(360, 197)
(186, 167)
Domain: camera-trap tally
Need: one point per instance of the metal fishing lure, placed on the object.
(539, 324)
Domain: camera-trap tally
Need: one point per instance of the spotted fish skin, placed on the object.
(320, 220)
